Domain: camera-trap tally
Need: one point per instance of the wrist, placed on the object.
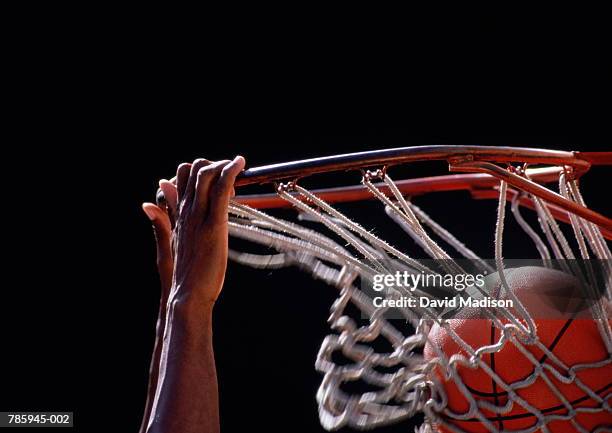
(188, 328)
(186, 306)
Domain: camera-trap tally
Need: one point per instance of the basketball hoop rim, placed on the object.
(478, 161)
(579, 161)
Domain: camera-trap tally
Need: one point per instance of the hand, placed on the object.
(198, 202)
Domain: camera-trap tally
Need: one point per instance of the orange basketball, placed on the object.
(572, 340)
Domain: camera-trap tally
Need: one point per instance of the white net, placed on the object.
(401, 382)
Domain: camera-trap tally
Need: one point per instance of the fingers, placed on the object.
(206, 177)
(224, 189)
(162, 230)
(197, 165)
(202, 186)
(182, 178)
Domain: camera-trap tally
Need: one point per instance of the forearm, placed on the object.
(162, 228)
(154, 366)
(187, 397)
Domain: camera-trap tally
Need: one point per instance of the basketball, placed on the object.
(572, 339)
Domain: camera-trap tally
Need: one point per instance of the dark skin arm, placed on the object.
(163, 235)
(186, 397)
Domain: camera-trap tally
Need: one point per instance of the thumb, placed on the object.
(163, 236)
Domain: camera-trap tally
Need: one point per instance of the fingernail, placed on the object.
(149, 212)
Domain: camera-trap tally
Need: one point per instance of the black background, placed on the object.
(82, 293)
(101, 104)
